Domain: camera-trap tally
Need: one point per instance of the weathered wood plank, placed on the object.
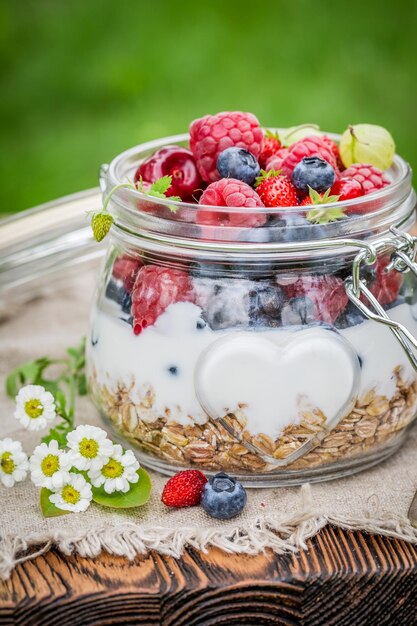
(344, 579)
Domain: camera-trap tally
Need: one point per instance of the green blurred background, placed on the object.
(82, 80)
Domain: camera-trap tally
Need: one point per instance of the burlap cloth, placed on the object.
(282, 519)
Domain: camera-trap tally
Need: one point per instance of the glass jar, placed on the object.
(252, 342)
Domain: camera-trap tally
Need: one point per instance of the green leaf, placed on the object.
(264, 175)
(28, 373)
(48, 509)
(58, 433)
(160, 186)
(138, 495)
(324, 216)
(82, 385)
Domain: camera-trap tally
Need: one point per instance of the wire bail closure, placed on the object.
(402, 247)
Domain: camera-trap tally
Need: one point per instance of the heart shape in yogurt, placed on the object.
(276, 374)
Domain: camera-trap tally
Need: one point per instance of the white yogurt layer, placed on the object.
(275, 372)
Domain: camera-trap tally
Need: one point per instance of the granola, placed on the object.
(373, 421)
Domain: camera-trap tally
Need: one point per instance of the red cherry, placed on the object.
(347, 189)
(176, 162)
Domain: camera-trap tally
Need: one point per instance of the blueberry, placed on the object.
(294, 227)
(114, 291)
(313, 172)
(201, 324)
(238, 163)
(119, 294)
(298, 310)
(265, 305)
(351, 316)
(126, 302)
(173, 370)
(223, 497)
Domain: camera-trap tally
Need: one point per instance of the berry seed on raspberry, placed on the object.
(307, 147)
(370, 177)
(212, 134)
(154, 290)
(233, 193)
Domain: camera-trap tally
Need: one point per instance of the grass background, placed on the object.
(82, 80)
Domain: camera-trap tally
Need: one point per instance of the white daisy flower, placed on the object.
(89, 447)
(35, 407)
(74, 495)
(49, 466)
(14, 463)
(118, 473)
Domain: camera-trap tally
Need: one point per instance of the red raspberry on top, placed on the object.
(314, 145)
(125, 268)
(154, 290)
(335, 151)
(230, 192)
(327, 294)
(275, 161)
(271, 144)
(369, 176)
(212, 134)
(184, 489)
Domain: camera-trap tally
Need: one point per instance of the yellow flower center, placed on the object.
(33, 408)
(7, 463)
(70, 495)
(50, 464)
(112, 469)
(88, 448)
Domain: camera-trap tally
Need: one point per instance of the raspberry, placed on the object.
(327, 293)
(212, 134)
(275, 161)
(369, 176)
(154, 290)
(386, 285)
(335, 151)
(125, 268)
(314, 145)
(230, 192)
(184, 489)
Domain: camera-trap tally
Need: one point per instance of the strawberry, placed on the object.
(275, 190)
(184, 489)
(271, 144)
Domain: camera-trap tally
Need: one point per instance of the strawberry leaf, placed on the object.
(138, 494)
(264, 175)
(324, 216)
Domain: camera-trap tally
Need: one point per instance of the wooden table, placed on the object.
(345, 578)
